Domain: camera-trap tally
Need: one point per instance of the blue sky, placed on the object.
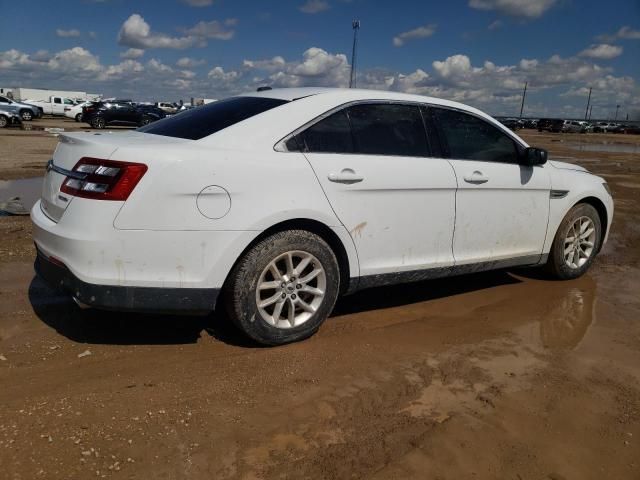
(479, 52)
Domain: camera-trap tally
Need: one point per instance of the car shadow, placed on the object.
(90, 326)
(59, 311)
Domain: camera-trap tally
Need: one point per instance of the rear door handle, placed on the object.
(347, 176)
(476, 177)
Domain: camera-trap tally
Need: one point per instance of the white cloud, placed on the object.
(67, 33)
(187, 62)
(218, 73)
(515, 8)
(496, 24)
(213, 29)
(157, 66)
(269, 64)
(136, 33)
(314, 6)
(492, 87)
(132, 53)
(602, 51)
(188, 74)
(625, 33)
(420, 32)
(198, 3)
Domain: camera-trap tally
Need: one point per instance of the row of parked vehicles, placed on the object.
(98, 114)
(558, 125)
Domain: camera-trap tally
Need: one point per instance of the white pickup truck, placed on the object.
(55, 105)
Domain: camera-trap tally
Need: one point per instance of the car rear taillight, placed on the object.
(103, 179)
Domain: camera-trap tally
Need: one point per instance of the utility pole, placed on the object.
(617, 108)
(590, 111)
(588, 102)
(352, 79)
(524, 94)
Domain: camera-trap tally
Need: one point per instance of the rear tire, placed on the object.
(576, 244)
(98, 123)
(283, 288)
(3, 121)
(79, 117)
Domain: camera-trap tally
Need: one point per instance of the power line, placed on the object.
(352, 79)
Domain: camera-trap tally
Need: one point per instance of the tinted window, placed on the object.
(57, 100)
(388, 129)
(330, 135)
(200, 122)
(4, 100)
(471, 138)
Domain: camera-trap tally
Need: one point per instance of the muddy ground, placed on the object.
(503, 375)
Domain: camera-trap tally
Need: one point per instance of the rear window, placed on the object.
(201, 122)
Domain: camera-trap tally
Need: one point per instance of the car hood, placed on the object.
(567, 166)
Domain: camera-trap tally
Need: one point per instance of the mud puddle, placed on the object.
(19, 196)
(605, 147)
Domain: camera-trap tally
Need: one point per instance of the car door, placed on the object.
(396, 201)
(57, 106)
(502, 207)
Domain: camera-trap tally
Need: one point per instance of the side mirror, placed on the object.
(534, 156)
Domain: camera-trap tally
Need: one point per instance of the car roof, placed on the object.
(290, 94)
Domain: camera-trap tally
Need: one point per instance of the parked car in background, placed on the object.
(75, 111)
(574, 126)
(152, 109)
(512, 123)
(272, 204)
(54, 106)
(604, 127)
(632, 129)
(550, 125)
(27, 111)
(104, 114)
(167, 107)
(530, 123)
(9, 115)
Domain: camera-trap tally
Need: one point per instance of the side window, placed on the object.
(57, 100)
(4, 100)
(329, 135)
(472, 138)
(388, 129)
(68, 101)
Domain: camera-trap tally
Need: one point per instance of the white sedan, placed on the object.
(275, 203)
(75, 111)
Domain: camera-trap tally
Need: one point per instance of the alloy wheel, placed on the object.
(579, 242)
(290, 289)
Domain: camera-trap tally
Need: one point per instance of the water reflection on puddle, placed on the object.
(569, 314)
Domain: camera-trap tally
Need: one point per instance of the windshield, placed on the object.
(203, 121)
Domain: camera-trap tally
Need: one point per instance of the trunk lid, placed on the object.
(71, 148)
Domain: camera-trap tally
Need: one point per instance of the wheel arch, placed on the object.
(313, 226)
(596, 203)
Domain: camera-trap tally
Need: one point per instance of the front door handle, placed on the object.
(476, 177)
(347, 176)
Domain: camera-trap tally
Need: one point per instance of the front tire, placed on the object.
(26, 115)
(283, 288)
(576, 244)
(3, 121)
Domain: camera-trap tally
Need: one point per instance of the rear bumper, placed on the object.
(125, 298)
